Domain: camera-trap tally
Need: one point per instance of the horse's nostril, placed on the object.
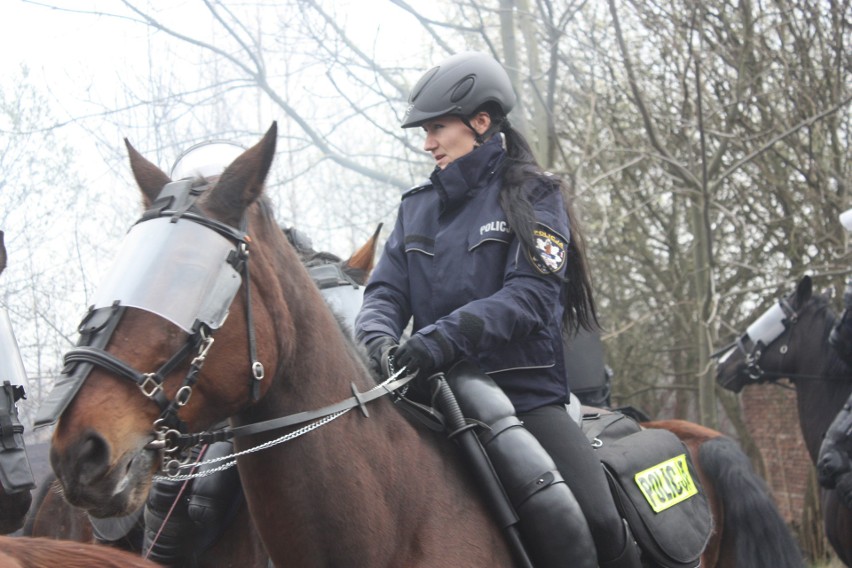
(92, 458)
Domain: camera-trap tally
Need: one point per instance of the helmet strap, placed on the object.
(478, 138)
(498, 125)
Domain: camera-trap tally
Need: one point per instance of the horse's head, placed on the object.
(781, 343)
(146, 368)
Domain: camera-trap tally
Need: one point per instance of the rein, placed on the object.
(173, 441)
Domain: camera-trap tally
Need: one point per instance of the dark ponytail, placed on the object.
(522, 176)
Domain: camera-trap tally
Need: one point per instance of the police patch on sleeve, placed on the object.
(548, 256)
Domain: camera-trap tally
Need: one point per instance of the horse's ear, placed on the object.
(242, 182)
(360, 264)
(150, 178)
(2, 253)
(804, 290)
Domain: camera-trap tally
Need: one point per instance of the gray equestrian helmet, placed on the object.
(459, 85)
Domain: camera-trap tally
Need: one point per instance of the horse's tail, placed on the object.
(761, 537)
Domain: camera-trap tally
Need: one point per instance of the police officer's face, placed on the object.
(448, 138)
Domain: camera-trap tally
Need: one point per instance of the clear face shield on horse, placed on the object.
(15, 472)
(759, 335)
(174, 263)
(198, 287)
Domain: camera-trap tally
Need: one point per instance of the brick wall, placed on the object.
(772, 418)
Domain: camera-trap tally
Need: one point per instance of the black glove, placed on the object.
(378, 350)
(415, 357)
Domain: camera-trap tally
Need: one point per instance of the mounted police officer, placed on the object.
(834, 465)
(487, 258)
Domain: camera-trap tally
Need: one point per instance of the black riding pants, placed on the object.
(575, 459)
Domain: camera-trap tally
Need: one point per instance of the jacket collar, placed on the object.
(469, 173)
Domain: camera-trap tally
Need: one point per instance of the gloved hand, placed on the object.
(415, 357)
(378, 351)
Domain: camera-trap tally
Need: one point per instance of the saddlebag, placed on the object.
(657, 490)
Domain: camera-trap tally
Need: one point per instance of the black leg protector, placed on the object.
(551, 522)
(214, 498)
(168, 529)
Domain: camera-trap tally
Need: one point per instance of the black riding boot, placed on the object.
(630, 557)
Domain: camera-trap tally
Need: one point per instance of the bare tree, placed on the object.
(44, 284)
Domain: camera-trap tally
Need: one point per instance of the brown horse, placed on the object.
(14, 504)
(52, 516)
(358, 491)
(23, 552)
(791, 341)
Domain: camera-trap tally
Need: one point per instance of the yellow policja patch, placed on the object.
(549, 253)
(667, 483)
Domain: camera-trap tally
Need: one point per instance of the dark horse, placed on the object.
(363, 488)
(791, 341)
(14, 503)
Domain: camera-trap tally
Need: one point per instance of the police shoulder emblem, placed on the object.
(548, 255)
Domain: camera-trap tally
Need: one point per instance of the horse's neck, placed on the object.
(318, 371)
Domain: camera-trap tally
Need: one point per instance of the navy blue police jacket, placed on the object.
(475, 292)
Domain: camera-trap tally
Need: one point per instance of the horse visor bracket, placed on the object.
(206, 344)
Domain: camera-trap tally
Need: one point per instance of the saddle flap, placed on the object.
(657, 490)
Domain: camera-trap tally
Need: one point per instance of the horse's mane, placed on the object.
(833, 365)
(310, 257)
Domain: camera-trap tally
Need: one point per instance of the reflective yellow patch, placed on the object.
(667, 483)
